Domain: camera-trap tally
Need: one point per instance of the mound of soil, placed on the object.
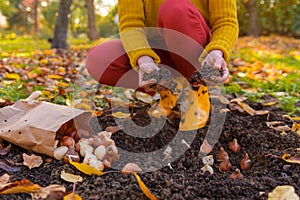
(183, 178)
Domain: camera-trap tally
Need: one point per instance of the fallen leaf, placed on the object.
(278, 126)
(5, 150)
(248, 108)
(54, 76)
(72, 196)
(4, 179)
(143, 187)
(296, 124)
(130, 168)
(120, 115)
(284, 192)
(86, 168)
(32, 161)
(113, 129)
(70, 177)
(291, 159)
(144, 97)
(44, 192)
(23, 186)
(13, 76)
(8, 166)
(271, 103)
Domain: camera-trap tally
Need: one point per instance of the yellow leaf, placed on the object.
(55, 76)
(143, 187)
(23, 186)
(284, 192)
(296, 125)
(72, 196)
(13, 76)
(120, 115)
(70, 177)
(86, 168)
(271, 103)
(291, 159)
(63, 84)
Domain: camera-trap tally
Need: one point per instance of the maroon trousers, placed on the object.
(184, 34)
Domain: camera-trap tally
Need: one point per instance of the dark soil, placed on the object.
(185, 180)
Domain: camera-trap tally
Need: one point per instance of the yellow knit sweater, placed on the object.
(221, 16)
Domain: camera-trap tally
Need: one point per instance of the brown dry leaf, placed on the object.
(291, 159)
(72, 196)
(113, 129)
(131, 168)
(23, 186)
(277, 127)
(144, 188)
(44, 192)
(70, 177)
(86, 168)
(284, 192)
(4, 179)
(248, 108)
(5, 150)
(8, 166)
(32, 161)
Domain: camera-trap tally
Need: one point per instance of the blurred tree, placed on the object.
(93, 33)
(61, 25)
(36, 17)
(253, 25)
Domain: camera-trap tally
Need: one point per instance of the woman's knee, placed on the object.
(101, 56)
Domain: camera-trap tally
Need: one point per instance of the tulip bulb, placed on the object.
(236, 174)
(246, 163)
(207, 169)
(234, 146)
(225, 166)
(60, 152)
(222, 155)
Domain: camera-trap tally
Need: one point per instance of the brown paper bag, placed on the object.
(32, 124)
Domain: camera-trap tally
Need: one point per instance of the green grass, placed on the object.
(288, 84)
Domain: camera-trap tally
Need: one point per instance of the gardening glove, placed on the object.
(215, 60)
(146, 66)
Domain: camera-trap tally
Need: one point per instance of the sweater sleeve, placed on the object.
(224, 24)
(132, 33)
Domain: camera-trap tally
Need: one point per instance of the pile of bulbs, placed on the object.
(224, 160)
(97, 151)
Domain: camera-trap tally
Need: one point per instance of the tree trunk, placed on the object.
(36, 18)
(93, 33)
(253, 25)
(59, 40)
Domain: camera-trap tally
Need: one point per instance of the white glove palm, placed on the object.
(215, 59)
(146, 66)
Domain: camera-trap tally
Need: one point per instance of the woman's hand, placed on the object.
(215, 59)
(146, 66)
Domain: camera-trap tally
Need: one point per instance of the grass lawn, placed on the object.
(259, 66)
